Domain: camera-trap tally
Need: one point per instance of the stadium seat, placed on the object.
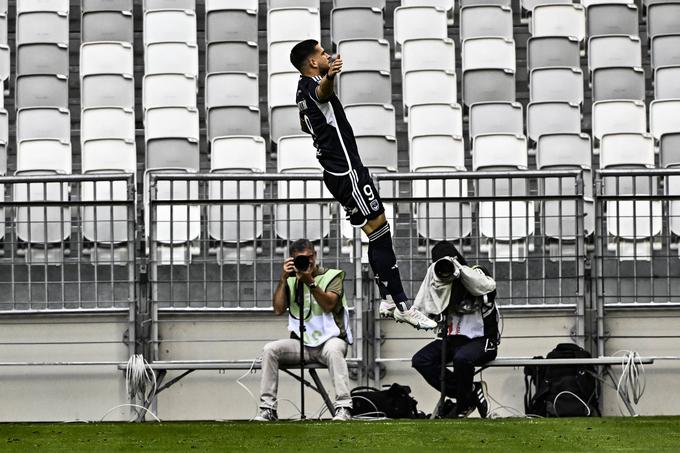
(464, 3)
(42, 58)
(42, 27)
(488, 85)
(435, 119)
(669, 157)
(664, 117)
(549, 51)
(42, 90)
(355, 87)
(556, 84)
(169, 26)
(440, 220)
(106, 58)
(107, 26)
(171, 135)
(559, 20)
(271, 4)
(378, 151)
(28, 6)
(663, 19)
(233, 120)
(615, 83)
(171, 57)
(5, 65)
(230, 21)
(107, 123)
(669, 150)
(231, 89)
(552, 118)
(169, 4)
(505, 227)
(371, 119)
(3, 29)
(106, 5)
(529, 5)
(107, 90)
(293, 24)
(609, 51)
(612, 18)
(44, 123)
(296, 154)
(278, 57)
(363, 54)
(496, 118)
(238, 56)
(369, 3)
(485, 21)
(170, 90)
(414, 22)
(109, 154)
(611, 117)
(488, 53)
(284, 116)
(356, 23)
(665, 50)
(44, 154)
(427, 87)
(667, 82)
(236, 226)
(428, 53)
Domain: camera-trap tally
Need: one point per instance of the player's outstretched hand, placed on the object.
(336, 66)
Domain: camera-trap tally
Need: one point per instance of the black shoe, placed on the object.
(449, 407)
(480, 398)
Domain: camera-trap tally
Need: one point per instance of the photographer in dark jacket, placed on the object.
(464, 296)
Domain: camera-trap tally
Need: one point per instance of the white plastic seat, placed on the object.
(106, 5)
(355, 87)
(169, 26)
(559, 20)
(293, 24)
(556, 84)
(496, 118)
(169, 4)
(492, 53)
(437, 151)
(369, 3)
(278, 57)
(107, 123)
(550, 51)
(230, 22)
(371, 119)
(488, 85)
(5, 65)
(171, 135)
(663, 19)
(42, 90)
(43, 26)
(665, 50)
(529, 5)
(667, 82)
(107, 90)
(169, 90)
(618, 83)
(356, 23)
(171, 57)
(27, 6)
(44, 154)
(664, 117)
(106, 58)
(241, 56)
(552, 118)
(446, 5)
(238, 120)
(231, 89)
(296, 154)
(427, 87)
(607, 51)
(44, 123)
(669, 157)
(284, 116)
(42, 58)
(177, 224)
(612, 19)
(414, 22)
(109, 154)
(107, 26)
(271, 4)
(435, 119)
(428, 53)
(231, 223)
(363, 54)
(378, 151)
(611, 117)
(485, 21)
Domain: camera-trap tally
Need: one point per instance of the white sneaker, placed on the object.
(342, 414)
(387, 307)
(266, 415)
(415, 318)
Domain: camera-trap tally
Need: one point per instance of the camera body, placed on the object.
(301, 263)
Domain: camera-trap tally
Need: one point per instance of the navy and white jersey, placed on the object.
(334, 140)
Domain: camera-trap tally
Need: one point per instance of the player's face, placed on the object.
(322, 59)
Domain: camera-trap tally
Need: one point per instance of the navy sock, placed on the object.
(383, 261)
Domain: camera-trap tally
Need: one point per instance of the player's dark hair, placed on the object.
(301, 245)
(301, 52)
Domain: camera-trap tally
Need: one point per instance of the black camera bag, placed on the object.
(394, 402)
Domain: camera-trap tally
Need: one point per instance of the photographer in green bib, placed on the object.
(326, 328)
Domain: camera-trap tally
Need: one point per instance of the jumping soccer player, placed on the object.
(322, 116)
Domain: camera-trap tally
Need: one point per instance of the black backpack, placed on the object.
(394, 402)
(561, 390)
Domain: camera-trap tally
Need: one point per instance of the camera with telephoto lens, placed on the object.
(445, 269)
(301, 263)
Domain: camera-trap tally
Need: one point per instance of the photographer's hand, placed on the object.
(280, 298)
(305, 277)
(288, 268)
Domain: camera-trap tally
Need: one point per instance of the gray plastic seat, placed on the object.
(669, 150)
(618, 83)
(427, 87)
(42, 58)
(284, 120)
(231, 25)
(549, 51)
(356, 23)
(488, 85)
(612, 19)
(169, 4)
(106, 5)
(663, 19)
(42, 90)
(107, 90)
(496, 118)
(552, 118)
(35, 27)
(233, 120)
(362, 54)
(665, 50)
(107, 26)
(667, 82)
(378, 151)
(608, 51)
(412, 22)
(239, 56)
(44, 123)
(485, 21)
(293, 4)
(556, 84)
(368, 3)
(356, 87)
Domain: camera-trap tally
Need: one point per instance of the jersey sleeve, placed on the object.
(308, 87)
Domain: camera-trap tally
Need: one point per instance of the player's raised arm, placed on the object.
(325, 88)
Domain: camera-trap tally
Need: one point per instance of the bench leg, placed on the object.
(322, 391)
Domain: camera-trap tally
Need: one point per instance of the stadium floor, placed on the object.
(609, 434)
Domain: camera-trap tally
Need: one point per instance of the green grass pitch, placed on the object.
(653, 434)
